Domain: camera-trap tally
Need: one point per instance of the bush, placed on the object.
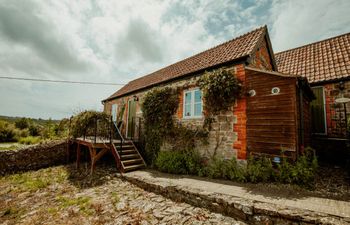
(226, 169)
(260, 170)
(84, 123)
(7, 132)
(30, 140)
(178, 162)
(302, 172)
(22, 123)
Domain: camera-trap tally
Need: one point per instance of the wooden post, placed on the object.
(92, 157)
(78, 155)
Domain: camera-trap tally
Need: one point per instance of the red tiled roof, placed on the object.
(321, 61)
(229, 51)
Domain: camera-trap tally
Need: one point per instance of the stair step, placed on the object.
(131, 161)
(127, 147)
(127, 152)
(133, 167)
(131, 156)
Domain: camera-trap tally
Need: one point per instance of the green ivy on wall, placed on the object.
(158, 108)
(220, 89)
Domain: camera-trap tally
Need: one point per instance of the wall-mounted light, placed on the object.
(136, 99)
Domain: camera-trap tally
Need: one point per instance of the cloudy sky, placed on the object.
(117, 41)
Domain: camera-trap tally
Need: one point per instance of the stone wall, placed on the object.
(33, 157)
(224, 131)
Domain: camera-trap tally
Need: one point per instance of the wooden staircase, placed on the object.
(128, 156)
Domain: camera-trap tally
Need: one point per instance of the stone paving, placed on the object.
(304, 208)
(62, 195)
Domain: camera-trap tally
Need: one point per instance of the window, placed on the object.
(318, 112)
(193, 104)
(114, 112)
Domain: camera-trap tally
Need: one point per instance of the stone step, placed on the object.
(132, 162)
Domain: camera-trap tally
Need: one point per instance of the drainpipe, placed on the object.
(301, 115)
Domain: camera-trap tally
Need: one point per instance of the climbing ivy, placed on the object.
(220, 89)
(158, 108)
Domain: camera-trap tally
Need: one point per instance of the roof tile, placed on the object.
(229, 51)
(320, 61)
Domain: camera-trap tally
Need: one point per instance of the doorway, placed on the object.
(131, 117)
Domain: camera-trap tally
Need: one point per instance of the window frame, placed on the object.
(324, 110)
(192, 104)
(115, 105)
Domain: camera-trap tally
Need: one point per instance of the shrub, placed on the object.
(260, 170)
(22, 123)
(226, 169)
(178, 162)
(7, 132)
(171, 162)
(34, 130)
(302, 172)
(84, 123)
(30, 140)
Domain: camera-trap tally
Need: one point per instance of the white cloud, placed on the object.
(299, 22)
(117, 41)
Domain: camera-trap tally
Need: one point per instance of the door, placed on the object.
(131, 117)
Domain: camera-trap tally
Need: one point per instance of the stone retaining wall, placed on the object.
(246, 210)
(33, 157)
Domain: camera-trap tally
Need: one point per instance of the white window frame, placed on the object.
(324, 110)
(116, 112)
(192, 91)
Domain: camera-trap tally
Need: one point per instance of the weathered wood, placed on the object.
(78, 155)
(271, 122)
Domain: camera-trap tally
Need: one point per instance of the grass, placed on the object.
(84, 203)
(10, 146)
(30, 140)
(115, 197)
(34, 181)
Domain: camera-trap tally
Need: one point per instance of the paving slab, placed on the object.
(315, 205)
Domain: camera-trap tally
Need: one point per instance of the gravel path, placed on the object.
(63, 195)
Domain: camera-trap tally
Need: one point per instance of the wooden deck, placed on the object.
(126, 157)
(97, 148)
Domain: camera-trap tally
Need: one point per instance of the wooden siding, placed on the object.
(271, 118)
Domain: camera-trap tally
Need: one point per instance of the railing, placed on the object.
(115, 134)
(97, 130)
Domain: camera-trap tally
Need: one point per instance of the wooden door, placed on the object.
(131, 117)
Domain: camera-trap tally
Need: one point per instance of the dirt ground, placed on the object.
(64, 195)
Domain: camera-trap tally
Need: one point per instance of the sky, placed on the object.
(117, 41)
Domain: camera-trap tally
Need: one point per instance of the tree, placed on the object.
(22, 123)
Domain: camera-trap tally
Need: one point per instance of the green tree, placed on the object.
(22, 123)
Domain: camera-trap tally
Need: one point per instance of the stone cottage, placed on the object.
(272, 115)
(326, 65)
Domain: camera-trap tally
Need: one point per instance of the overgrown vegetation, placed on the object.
(84, 123)
(31, 131)
(301, 172)
(220, 90)
(158, 109)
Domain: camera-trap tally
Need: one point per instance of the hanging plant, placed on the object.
(220, 89)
